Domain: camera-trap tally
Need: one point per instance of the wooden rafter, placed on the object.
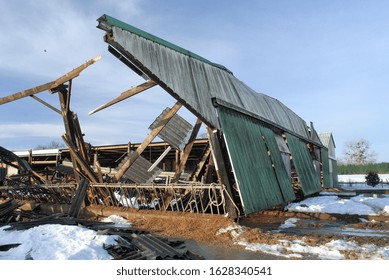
(48, 86)
(125, 95)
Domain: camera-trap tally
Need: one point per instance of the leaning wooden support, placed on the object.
(84, 165)
(221, 169)
(125, 95)
(78, 198)
(185, 154)
(165, 119)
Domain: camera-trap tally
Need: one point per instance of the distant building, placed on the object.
(328, 141)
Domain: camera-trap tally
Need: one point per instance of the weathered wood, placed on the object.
(165, 119)
(25, 93)
(125, 95)
(78, 198)
(46, 104)
(84, 165)
(201, 164)
(75, 72)
(185, 154)
(221, 168)
(48, 86)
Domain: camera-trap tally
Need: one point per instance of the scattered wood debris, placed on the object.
(132, 243)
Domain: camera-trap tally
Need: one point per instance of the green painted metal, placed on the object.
(110, 21)
(335, 172)
(257, 180)
(309, 179)
(283, 178)
(326, 168)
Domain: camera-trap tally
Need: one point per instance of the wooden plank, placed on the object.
(201, 164)
(84, 165)
(46, 104)
(48, 86)
(125, 95)
(78, 199)
(185, 154)
(165, 119)
(221, 169)
(25, 93)
(75, 72)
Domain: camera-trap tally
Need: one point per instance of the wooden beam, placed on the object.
(125, 95)
(48, 86)
(84, 165)
(201, 164)
(75, 72)
(46, 104)
(188, 148)
(165, 119)
(221, 170)
(25, 93)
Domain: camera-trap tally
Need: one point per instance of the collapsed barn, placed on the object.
(258, 153)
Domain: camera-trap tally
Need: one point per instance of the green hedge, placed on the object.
(380, 168)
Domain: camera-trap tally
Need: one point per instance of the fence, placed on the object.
(194, 198)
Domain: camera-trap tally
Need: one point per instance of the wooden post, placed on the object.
(221, 170)
(185, 154)
(165, 119)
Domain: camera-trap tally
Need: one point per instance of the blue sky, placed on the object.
(326, 60)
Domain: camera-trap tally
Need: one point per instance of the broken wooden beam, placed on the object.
(48, 86)
(125, 95)
(84, 165)
(185, 154)
(165, 119)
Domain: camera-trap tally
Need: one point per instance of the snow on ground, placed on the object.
(59, 242)
(358, 205)
(55, 242)
(296, 249)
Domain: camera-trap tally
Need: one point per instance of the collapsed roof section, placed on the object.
(193, 80)
(253, 124)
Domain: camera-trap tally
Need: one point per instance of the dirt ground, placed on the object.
(204, 229)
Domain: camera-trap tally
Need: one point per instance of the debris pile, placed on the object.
(132, 243)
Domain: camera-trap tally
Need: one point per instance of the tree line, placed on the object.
(380, 168)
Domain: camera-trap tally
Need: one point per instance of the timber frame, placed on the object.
(198, 175)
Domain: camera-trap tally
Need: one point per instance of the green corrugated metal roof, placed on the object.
(309, 180)
(110, 21)
(326, 168)
(259, 185)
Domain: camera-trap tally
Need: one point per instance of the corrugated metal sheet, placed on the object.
(326, 168)
(334, 174)
(176, 132)
(282, 175)
(257, 180)
(138, 173)
(309, 180)
(193, 80)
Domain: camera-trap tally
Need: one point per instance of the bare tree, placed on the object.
(358, 152)
(51, 145)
